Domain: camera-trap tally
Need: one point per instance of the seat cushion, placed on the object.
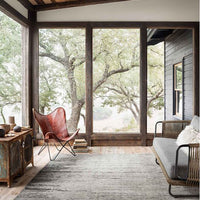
(166, 150)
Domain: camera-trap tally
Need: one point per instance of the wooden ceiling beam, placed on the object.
(72, 4)
(40, 2)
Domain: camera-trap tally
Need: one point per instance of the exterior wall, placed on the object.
(133, 10)
(178, 48)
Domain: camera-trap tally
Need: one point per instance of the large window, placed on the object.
(115, 72)
(178, 87)
(116, 80)
(10, 69)
(62, 74)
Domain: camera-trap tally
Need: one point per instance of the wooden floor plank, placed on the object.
(41, 160)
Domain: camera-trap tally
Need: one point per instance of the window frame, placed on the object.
(32, 78)
(177, 92)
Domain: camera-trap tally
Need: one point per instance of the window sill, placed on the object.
(177, 117)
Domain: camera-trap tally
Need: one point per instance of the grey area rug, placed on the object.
(100, 177)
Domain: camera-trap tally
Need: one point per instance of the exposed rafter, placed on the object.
(40, 2)
(40, 5)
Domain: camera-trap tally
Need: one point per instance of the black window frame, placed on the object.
(178, 92)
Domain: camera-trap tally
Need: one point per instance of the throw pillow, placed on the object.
(195, 123)
(187, 136)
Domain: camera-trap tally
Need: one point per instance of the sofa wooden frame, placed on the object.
(193, 161)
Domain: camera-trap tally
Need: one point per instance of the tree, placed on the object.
(116, 69)
(71, 45)
(10, 64)
(123, 89)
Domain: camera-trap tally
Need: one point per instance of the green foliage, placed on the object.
(122, 90)
(59, 48)
(120, 49)
(62, 70)
(10, 63)
(155, 78)
(115, 70)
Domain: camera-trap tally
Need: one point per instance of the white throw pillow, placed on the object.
(187, 136)
(195, 123)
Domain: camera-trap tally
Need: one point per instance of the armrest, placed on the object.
(74, 134)
(193, 162)
(176, 121)
(159, 122)
(171, 128)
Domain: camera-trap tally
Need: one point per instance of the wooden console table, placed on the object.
(16, 153)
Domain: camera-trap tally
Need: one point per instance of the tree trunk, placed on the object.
(2, 115)
(42, 109)
(72, 123)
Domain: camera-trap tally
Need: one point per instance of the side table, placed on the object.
(16, 153)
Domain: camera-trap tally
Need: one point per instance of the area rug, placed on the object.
(100, 177)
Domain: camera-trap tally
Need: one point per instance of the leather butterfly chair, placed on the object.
(54, 129)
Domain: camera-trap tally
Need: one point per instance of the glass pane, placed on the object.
(10, 70)
(179, 73)
(179, 102)
(116, 80)
(155, 88)
(62, 74)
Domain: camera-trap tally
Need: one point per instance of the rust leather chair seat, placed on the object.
(54, 129)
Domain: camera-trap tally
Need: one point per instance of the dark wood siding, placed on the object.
(178, 48)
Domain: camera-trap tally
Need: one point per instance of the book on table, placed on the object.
(80, 141)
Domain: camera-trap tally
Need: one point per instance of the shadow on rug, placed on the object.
(101, 177)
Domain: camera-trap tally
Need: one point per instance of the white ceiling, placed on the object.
(133, 10)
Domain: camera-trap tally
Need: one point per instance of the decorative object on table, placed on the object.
(2, 132)
(17, 128)
(80, 146)
(10, 135)
(11, 121)
(6, 127)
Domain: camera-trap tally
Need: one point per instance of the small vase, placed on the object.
(12, 126)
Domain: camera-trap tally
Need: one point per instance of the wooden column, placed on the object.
(196, 70)
(89, 84)
(143, 84)
(34, 70)
(27, 63)
(25, 77)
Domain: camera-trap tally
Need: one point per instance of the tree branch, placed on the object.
(154, 98)
(53, 57)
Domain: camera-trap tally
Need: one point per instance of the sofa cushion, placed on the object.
(166, 150)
